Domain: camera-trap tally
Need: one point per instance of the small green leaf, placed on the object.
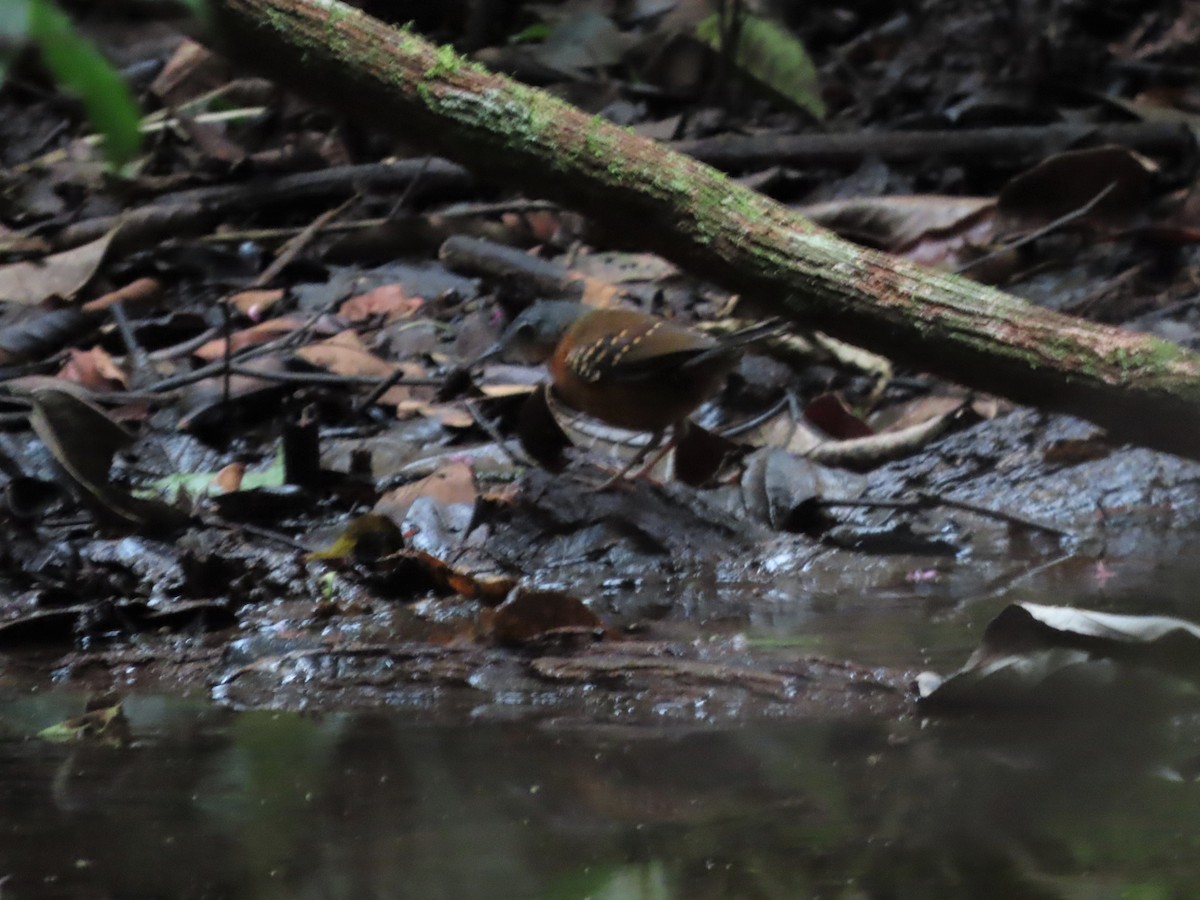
(773, 56)
(107, 726)
(204, 484)
(80, 68)
(536, 32)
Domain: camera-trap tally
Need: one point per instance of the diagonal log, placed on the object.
(1141, 388)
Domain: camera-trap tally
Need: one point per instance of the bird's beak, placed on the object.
(491, 353)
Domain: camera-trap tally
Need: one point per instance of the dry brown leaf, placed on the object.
(389, 301)
(451, 415)
(597, 293)
(82, 438)
(345, 354)
(452, 483)
(912, 412)
(489, 588)
(899, 221)
(828, 413)
(532, 614)
(620, 267)
(1122, 180)
(61, 275)
(94, 369)
(191, 71)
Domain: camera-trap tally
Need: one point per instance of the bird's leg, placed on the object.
(678, 432)
(647, 448)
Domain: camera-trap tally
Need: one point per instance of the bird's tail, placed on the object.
(752, 333)
(735, 340)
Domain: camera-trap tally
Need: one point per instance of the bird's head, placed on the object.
(532, 336)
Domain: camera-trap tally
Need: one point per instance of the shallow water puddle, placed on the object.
(209, 803)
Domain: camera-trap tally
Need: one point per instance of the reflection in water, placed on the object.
(208, 803)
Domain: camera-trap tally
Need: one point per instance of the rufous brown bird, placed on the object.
(625, 367)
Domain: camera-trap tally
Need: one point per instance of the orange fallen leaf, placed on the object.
(499, 391)
(345, 354)
(248, 337)
(230, 478)
(253, 304)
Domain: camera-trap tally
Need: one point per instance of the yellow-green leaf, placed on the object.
(773, 56)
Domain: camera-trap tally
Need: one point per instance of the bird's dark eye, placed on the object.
(526, 331)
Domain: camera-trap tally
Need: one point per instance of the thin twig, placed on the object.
(458, 211)
(1010, 518)
(285, 342)
(149, 125)
(259, 531)
(226, 351)
(409, 188)
(483, 422)
(138, 360)
(1043, 231)
(750, 424)
(329, 378)
(926, 500)
(381, 388)
(296, 245)
(184, 348)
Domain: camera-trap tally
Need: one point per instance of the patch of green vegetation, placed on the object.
(446, 62)
(374, 57)
(78, 67)
(772, 56)
(334, 38)
(1155, 354)
(1125, 359)
(601, 148)
(1065, 352)
(278, 20)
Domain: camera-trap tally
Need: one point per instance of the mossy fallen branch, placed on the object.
(1141, 388)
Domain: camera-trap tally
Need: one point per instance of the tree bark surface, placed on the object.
(1141, 388)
